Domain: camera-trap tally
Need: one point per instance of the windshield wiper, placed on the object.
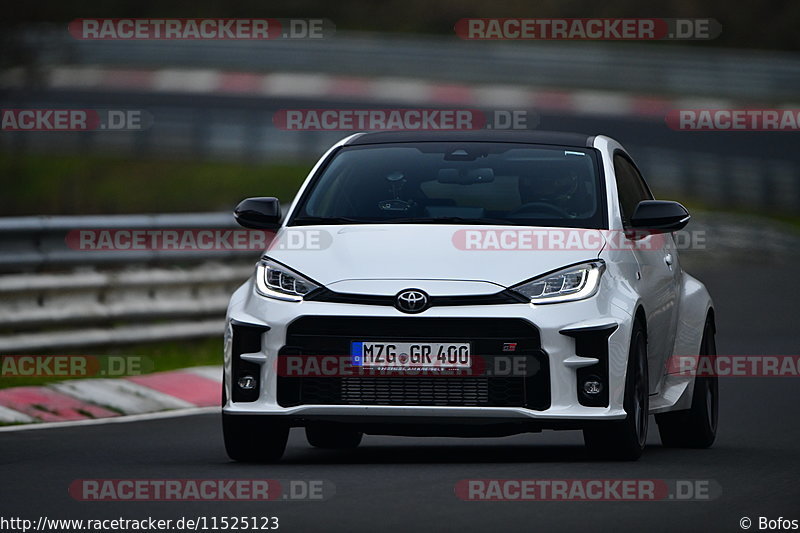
(312, 221)
(452, 220)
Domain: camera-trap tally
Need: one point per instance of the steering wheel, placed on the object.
(539, 207)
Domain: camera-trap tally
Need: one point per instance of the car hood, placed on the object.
(501, 255)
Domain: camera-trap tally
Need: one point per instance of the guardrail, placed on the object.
(44, 312)
(39, 242)
(58, 299)
(108, 297)
(654, 68)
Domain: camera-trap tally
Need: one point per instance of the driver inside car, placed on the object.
(552, 194)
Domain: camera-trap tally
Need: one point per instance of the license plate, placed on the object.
(411, 354)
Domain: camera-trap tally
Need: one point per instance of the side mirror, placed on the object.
(659, 216)
(258, 213)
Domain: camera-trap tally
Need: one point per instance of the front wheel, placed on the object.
(695, 427)
(625, 439)
(254, 439)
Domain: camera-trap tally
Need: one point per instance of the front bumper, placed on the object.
(555, 326)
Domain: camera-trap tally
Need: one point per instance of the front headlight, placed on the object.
(277, 281)
(572, 283)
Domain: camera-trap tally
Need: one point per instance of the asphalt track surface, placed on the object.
(407, 484)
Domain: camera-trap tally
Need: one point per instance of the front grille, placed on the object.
(333, 335)
(441, 391)
(417, 391)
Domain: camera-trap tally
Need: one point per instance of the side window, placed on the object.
(630, 186)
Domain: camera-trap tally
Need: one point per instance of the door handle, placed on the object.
(668, 259)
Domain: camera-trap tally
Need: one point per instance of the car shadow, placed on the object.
(437, 454)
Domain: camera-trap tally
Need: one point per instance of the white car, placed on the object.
(468, 284)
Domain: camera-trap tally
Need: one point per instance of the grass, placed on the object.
(790, 220)
(149, 358)
(44, 184)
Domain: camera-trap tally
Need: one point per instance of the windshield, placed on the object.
(459, 183)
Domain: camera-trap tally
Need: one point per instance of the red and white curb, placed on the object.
(92, 399)
(382, 89)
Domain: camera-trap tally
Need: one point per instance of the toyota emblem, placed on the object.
(412, 301)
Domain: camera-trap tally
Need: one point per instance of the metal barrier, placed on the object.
(64, 311)
(54, 298)
(651, 68)
(39, 242)
(108, 297)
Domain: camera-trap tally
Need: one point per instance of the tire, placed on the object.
(625, 440)
(332, 436)
(695, 427)
(254, 439)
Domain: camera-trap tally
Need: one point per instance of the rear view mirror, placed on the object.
(659, 216)
(258, 213)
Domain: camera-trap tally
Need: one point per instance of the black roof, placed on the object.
(558, 138)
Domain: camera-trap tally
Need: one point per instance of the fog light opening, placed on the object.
(247, 383)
